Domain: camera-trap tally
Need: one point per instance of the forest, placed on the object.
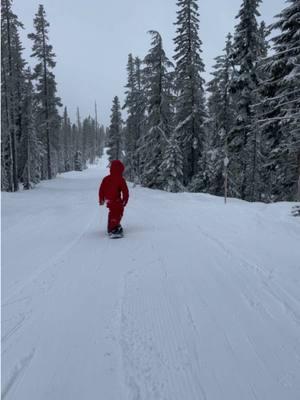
(237, 134)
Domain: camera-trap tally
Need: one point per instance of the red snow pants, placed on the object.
(115, 214)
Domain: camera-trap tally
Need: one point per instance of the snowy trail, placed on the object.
(198, 301)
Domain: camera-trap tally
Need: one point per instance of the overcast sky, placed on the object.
(92, 39)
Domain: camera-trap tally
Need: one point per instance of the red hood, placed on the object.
(116, 167)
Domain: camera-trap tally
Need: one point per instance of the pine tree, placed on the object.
(89, 140)
(115, 132)
(12, 85)
(158, 89)
(78, 161)
(100, 140)
(31, 149)
(140, 117)
(243, 140)
(67, 145)
(134, 125)
(190, 105)
(220, 118)
(279, 109)
(48, 102)
(171, 168)
(86, 126)
(78, 139)
(130, 128)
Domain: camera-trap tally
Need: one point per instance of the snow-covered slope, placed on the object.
(198, 301)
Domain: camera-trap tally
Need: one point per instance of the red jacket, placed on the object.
(113, 188)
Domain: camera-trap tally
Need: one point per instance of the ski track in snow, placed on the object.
(199, 301)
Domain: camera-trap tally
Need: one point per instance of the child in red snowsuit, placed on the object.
(114, 191)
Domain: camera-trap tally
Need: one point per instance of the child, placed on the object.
(114, 191)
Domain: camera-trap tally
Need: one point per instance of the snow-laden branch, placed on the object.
(280, 53)
(293, 116)
(276, 98)
(181, 124)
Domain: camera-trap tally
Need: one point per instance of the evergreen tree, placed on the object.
(140, 117)
(158, 89)
(115, 132)
(279, 109)
(190, 105)
(100, 140)
(89, 140)
(12, 86)
(74, 131)
(243, 140)
(171, 168)
(67, 145)
(48, 102)
(78, 139)
(78, 161)
(86, 126)
(31, 149)
(221, 116)
(134, 126)
(130, 128)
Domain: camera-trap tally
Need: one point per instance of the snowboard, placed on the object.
(117, 235)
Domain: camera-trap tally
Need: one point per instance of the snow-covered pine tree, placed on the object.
(130, 123)
(19, 65)
(257, 109)
(134, 125)
(67, 147)
(100, 140)
(59, 160)
(12, 86)
(73, 139)
(48, 118)
(84, 140)
(140, 117)
(78, 136)
(279, 117)
(86, 128)
(220, 118)
(89, 139)
(78, 162)
(264, 32)
(115, 140)
(31, 149)
(171, 168)
(190, 104)
(243, 138)
(159, 118)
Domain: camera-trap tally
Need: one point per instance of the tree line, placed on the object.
(37, 142)
(239, 133)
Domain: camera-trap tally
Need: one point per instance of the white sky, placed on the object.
(92, 39)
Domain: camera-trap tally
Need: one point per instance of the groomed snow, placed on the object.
(199, 301)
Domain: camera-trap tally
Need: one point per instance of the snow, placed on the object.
(200, 300)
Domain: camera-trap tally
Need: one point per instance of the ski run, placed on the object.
(199, 301)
